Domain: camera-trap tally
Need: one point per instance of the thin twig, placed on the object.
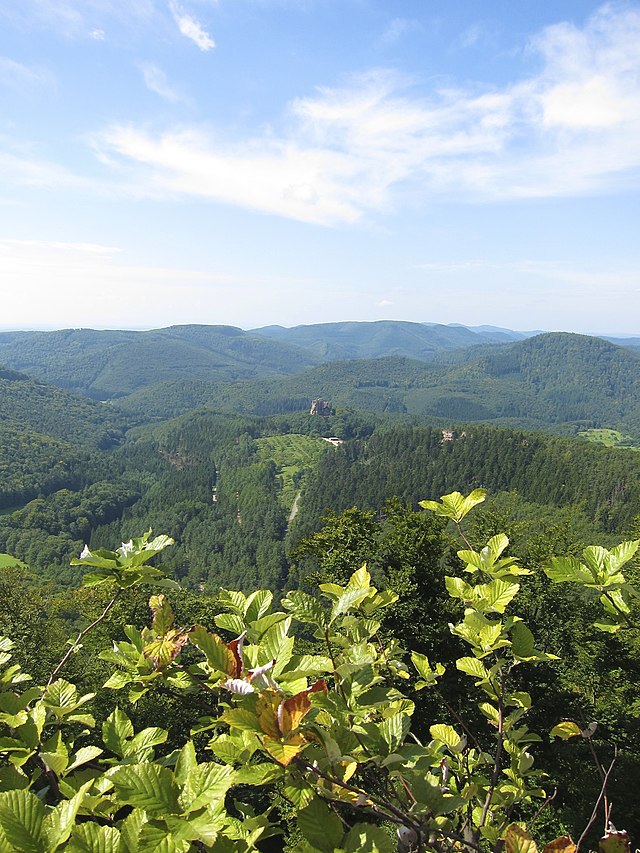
(73, 647)
(497, 767)
(598, 801)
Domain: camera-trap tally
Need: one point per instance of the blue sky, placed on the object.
(250, 162)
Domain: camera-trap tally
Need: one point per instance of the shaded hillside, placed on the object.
(106, 364)
(28, 403)
(554, 380)
(50, 438)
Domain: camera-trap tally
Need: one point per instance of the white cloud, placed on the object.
(191, 28)
(396, 29)
(156, 81)
(570, 129)
(77, 18)
(15, 75)
(605, 281)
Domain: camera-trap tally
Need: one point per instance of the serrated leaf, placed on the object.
(498, 594)
(445, 734)
(230, 622)
(567, 570)
(241, 718)
(257, 604)
(258, 774)
(145, 740)
(147, 786)
(61, 820)
(206, 784)
(394, 730)
(455, 506)
(162, 614)
(321, 827)
(219, 656)
(92, 838)
(284, 751)
(305, 608)
(117, 729)
(21, 818)
(472, 666)
(84, 755)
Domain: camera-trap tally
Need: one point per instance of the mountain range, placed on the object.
(548, 380)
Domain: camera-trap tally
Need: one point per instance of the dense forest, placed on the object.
(257, 493)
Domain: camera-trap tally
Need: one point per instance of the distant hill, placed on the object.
(339, 341)
(430, 370)
(107, 364)
(50, 438)
(551, 380)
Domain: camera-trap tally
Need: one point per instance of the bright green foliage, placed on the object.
(600, 572)
(328, 730)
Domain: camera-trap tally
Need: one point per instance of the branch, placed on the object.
(497, 767)
(602, 794)
(73, 647)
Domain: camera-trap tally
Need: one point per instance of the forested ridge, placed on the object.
(554, 381)
(223, 480)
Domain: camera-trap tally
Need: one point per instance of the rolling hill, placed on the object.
(552, 380)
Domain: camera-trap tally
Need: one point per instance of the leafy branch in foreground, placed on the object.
(322, 727)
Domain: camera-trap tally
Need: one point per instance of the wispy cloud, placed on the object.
(568, 130)
(191, 28)
(15, 75)
(156, 81)
(623, 279)
(396, 29)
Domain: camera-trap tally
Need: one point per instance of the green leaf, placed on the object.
(162, 614)
(230, 622)
(147, 786)
(206, 784)
(394, 730)
(305, 608)
(446, 734)
(257, 604)
(258, 774)
(472, 666)
(430, 676)
(455, 506)
(61, 697)
(367, 838)
(567, 570)
(497, 594)
(321, 827)
(84, 755)
(117, 729)
(212, 646)
(145, 740)
(565, 730)
(21, 817)
(91, 838)
(61, 820)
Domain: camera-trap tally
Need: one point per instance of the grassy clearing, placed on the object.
(295, 457)
(6, 561)
(609, 437)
